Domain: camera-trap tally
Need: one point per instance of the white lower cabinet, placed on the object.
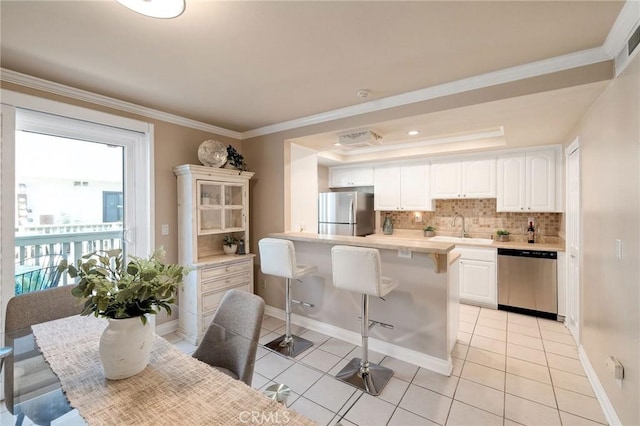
(478, 282)
(203, 289)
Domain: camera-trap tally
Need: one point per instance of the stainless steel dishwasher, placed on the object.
(528, 282)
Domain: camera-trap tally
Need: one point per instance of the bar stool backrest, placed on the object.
(357, 269)
(277, 257)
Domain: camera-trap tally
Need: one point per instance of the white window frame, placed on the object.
(20, 111)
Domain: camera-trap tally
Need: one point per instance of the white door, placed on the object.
(511, 184)
(446, 180)
(414, 192)
(479, 179)
(43, 118)
(478, 282)
(572, 318)
(386, 188)
(541, 181)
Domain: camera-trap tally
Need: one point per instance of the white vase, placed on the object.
(125, 347)
(230, 249)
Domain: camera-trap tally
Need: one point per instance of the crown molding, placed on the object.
(25, 80)
(623, 27)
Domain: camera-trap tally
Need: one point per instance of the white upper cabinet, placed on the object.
(527, 182)
(340, 177)
(464, 179)
(402, 187)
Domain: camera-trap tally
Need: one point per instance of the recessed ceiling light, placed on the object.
(164, 9)
(413, 132)
(337, 144)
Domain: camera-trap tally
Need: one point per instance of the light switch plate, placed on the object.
(619, 249)
(164, 229)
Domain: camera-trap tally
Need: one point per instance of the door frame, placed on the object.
(573, 287)
(139, 168)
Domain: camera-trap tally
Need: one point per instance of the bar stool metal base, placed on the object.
(293, 348)
(372, 383)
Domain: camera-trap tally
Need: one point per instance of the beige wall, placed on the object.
(610, 189)
(173, 145)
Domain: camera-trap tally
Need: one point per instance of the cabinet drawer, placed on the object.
(211, 300)
(216, 271)
(472, 253)
(225, 281)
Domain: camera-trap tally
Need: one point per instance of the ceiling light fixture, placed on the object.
(163, 9)
(413, 132)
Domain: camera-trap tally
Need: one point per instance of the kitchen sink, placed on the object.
(459, 240)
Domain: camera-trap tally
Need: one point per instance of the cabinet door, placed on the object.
(338, 177)
(414, 187)
(350, 176)
(478, 282)
(446, 180)
(541, 181)
(362, 176)
(479, 178)
(386, 188)
(220, 207)
(511, 185)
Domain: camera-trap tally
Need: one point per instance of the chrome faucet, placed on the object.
(463, 231)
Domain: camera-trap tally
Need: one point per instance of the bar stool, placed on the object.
(358, 269)
(278, 258)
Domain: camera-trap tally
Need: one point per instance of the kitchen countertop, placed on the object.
(378, 241)
(518, 245)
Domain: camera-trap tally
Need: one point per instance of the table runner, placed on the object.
(174, 389)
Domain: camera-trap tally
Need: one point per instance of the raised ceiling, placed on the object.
(246, 65)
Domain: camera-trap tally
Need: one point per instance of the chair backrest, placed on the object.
(28, 309)
(277, 257)
(25, 310)
(231, 341)
(356, 269)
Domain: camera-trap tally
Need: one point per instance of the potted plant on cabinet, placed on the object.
(503, 235)
(429, 231)
(235, 159)
(230, 245)
(125, 293)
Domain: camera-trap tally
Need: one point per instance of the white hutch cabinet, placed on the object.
(212, 203)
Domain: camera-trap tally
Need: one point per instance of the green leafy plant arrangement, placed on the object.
(229, 241)
(429, 229)
(235, 159)
(114, 289)
(502, 232)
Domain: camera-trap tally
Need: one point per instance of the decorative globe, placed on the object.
(212, 153)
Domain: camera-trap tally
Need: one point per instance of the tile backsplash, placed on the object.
(481, 220)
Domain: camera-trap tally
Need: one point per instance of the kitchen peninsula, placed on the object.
(423, 309)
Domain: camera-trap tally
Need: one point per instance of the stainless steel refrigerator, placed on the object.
(345, 213)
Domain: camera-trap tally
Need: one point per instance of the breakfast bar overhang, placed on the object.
(423, 309)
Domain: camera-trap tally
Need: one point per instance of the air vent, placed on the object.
(634, 40)
(359, 138)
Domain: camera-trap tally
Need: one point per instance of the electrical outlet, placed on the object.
(404, 254)
(619, 249)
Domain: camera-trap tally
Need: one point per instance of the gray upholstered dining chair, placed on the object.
(43, 389)
(231, 340)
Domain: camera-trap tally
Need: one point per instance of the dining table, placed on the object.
(174, 388)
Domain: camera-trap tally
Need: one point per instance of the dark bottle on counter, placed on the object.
(531, 233)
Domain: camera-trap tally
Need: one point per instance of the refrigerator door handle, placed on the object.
(351, 215)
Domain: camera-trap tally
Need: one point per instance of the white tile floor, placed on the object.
(509, 369)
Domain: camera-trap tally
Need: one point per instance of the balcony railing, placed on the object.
(49, 243)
